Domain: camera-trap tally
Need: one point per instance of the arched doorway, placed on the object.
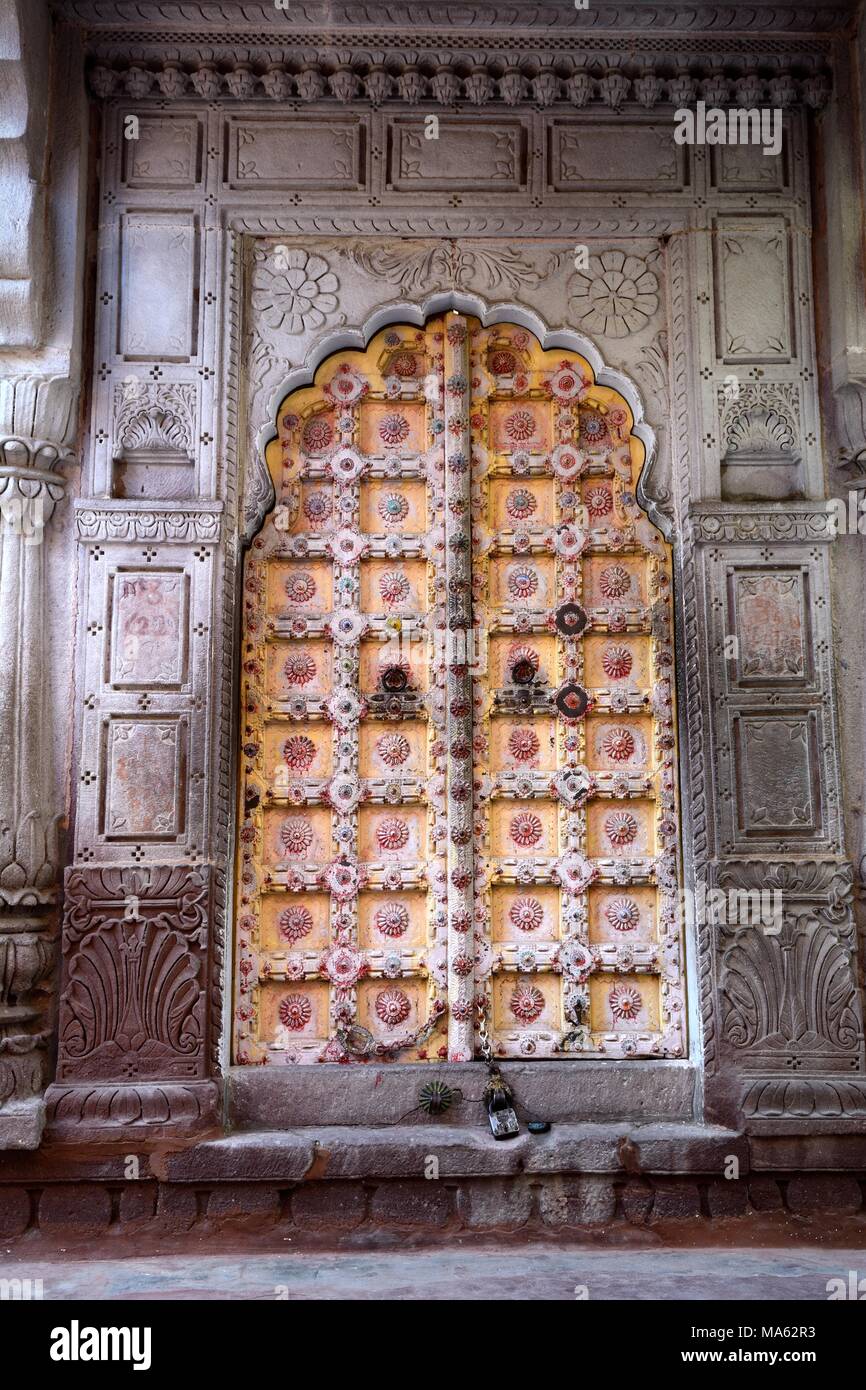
(458, 754)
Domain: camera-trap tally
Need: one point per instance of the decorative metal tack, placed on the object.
(571, 700)
(571, 619)
(435, 1097)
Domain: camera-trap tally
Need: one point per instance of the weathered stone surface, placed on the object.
(676, 1201)
(765, 1194)
(410, 1204)
(78, 1209)
(729, 1198)
(636, 1200)
(828, 1192)
(176, 1209)
(137, 1204)
(329, 1206)
(248, 1205)
(14, 1212)
(585, 1201)
(497, 1205)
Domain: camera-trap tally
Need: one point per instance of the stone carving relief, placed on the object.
(617, 296)
(134, 1000)
(154, 421)
(761, 423)
(293, 290)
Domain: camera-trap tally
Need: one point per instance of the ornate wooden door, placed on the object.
(458, 786)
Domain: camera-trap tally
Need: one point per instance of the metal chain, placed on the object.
(483, 1035)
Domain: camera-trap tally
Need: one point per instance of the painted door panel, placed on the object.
(425, 834)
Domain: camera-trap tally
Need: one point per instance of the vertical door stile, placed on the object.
(458, 551)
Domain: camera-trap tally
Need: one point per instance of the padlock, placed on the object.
(500, 1109)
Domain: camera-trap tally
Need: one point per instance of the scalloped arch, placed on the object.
(260, 494)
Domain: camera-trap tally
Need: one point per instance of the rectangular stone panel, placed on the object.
(144, 777)
(777, 777)
(746, 169)
(478, 155)
(166, 154)
(297, 152)
(607, 155)
(148, 623)
(769, 614)
(159, 267)
(752, 274)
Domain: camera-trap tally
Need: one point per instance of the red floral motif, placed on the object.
(502, 363)
(614, 581)
(521, 503)
(299, 752)
(318, 508)
(598, 500)
(392, 833)
(404, 364)
(616, 661)
(619, 744)
(623, 914)
(299, 668)
(526, 914)
(294, 923)
(392, 919)
(625, 1002)
(620, 827)
(520, 426)
(295, 1011)
(393, 508)
(318, 434)
(526, 1003)
(300, 587)
(392, 1007)
(462, 966)
(394, 587)
(523, 744)
(520, 653)
(592, 427)
(522, 582)
(393, 749)
(393, 429)
(296, 834)
(526, 829)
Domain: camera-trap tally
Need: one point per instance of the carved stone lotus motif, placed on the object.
(294, 290)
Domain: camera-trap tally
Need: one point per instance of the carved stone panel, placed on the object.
(134, 1003)
(297, 152)
(777, 775)
(608, 155)
(144, 776)
(167, 153)
(753, 290)
(468, 154)
(158, 249)
(770, 615)
(149, 628)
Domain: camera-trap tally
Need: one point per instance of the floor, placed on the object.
(471, 1270)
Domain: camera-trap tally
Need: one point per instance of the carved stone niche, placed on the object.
(134, 1024)
(154, 426)
(760, 433)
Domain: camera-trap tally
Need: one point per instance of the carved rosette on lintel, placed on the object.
(36, 418)
(134, 1008)
(788, 1007)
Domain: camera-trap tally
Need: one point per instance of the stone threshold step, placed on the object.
(403, 1151)
(374, 1093)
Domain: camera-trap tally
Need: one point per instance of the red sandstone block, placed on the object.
(636, 1200)
(176, 1209)
(74, 1209)
(14, 1212)
(824, 1192)
(412, 1204)
(245, 1204)
(676, 1201)
(137, 1203)
(329, 1206)
(494, 1205)
(728, 1198)
(765, 1194)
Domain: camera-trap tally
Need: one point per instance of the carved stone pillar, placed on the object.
(30, 819)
